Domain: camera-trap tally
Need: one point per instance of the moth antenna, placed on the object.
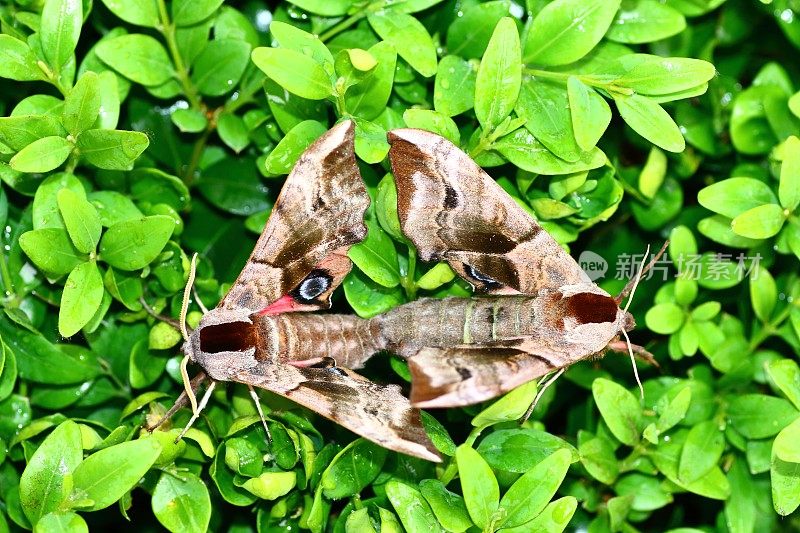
(196, 382)
(637, 279)
(187, 292)
(187, 385)
(255, 398)
(633, 363)
(642, 271)
(539, 394)
(196, 413)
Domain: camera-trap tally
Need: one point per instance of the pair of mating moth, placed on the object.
(541, 312)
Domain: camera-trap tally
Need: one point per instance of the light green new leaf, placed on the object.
(649, 120)
(760, 222)
(499, 76)
(657, 76)
(566, 30)
(293, 38)
(138, 57)
(376, 255)
(525, 151)
(454, 86)
(46, 480)
(409, 37)
(763, 292)
(17, 60)
(620, 409)
(83, 292)
(510, 407)
(733, 196)
(67, 522)
(81, 219)
(283, 157)
(546, 109)
(43, 155)
(785, 373)
(478, 485)
(188, 12)
(51, 250)
(789, 185)
(60, 28)
(530, 494)
(553, 519)
(701, 451)
(133, 244)
(82, 104)
(138, 12)
(105, 476)
(294, 71)
(112, 149)
(589, 112)
(181, 503)
(645, 21)
(411, 507)
(368, 98)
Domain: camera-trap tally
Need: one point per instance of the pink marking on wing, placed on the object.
(285, 304)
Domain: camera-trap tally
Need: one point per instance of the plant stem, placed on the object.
(452, 467)
(342, 25)
(408, 282)
(181, 72)
(197, 152)
(5, 275)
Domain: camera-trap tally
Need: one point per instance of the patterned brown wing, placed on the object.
(302, 253)
(452, 210)
(379, 413)
(468, 374)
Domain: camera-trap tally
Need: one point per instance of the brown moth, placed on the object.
(544, 313)
(258, 335)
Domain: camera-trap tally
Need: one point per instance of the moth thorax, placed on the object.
(228, 337)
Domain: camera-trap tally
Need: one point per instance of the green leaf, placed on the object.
(68, 522)
(620, 409)
(368, 98)
(17, 60)
(449, 508)
(523, 150)
(409, 37)
(105, 476)
(233, 131)
(478, 484)
(219, 67)
(294, 71)
(234, 186)
(182, 503)
(519, 450)
(590, 114)
(82, 104)
(283, 157)
(138, 12)
(294, 38)
(653, 173)
(112, 149)
(427, 119)
(665, 319)
(763, 292)
(510, 407)
(746, 414)
(376, 255)
(188, 12)
(326, 8)
(60, 28)
(645, 21)
(133, 244)
(138, 57)
(785, 484)
(81, 220)
(789, 186)
(47, 478)
(352, 469)
(51, 250)
(545, 107)
(701, 451)
(597, 456)
(437, 276)
(189, 120)
(786, 375)
(411, 507)
(83, 292)
(367, 298)
(529, 495)
(675, 411)
(113, 207)
(785, 446)
(553, 519)
(654, 75)
(497, 85)
(19, 131)
(649, 120)
(43, 155)
(566, 30)
(734, 196)
(760, 222)
(469, 34)
(454, 86)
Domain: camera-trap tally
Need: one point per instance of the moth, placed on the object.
(541, 314)
(261, 335)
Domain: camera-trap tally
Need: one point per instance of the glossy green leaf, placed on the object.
(352, 469)
(81, 219)
(43, 155)
(510, 407)
(645, 21)
(68, 522)
(760, 222)
(294, 71)
(283, 157)
(454, 86)
(469, 34)
(112, 149)
(376, 255)
(620, 409)
(188, 12)
(83, 292)
(478, 485)
(19, 131)
(497, 85)
(60, 28)
(649, 120)
(546, 108)
(566, 30)
(523, 150)
(138, 57)
(411, 507)
(219, 67)
(746, 414)
(138, 12)
(82, 104)
(17, 60)
(409, 37)
(589, 113)
(51, 250)
(133, 244)
(449, 508)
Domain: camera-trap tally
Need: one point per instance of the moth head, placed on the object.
(223, 336)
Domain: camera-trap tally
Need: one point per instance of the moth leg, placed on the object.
(539, 394)
(182, 400)
(639, 351)
(200, 407)
(152, 312)
(256, 400)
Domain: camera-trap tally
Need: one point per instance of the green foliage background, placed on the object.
(136, 132)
